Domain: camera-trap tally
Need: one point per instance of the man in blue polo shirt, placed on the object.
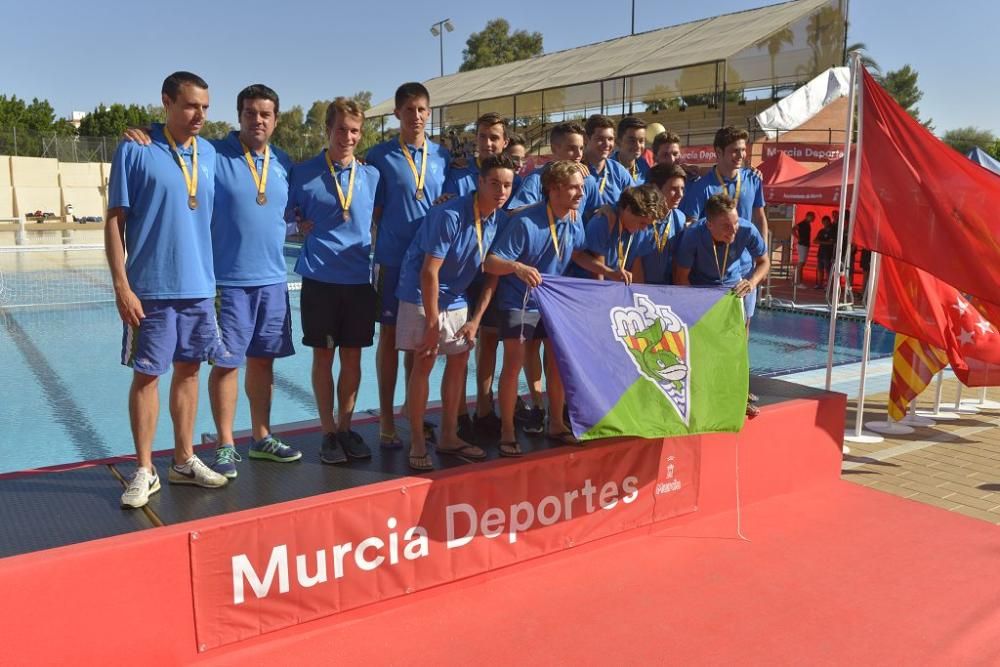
(160, 210)
(657, 265)
(742, 184)
(620, 236)
(435, 317)
(607, 177)
(412, 171)
(542, 238)
(248, 234)
(710, 252)
(631, 148)
(336, 195)
(492, 136)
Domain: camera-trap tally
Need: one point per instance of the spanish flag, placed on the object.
(914, 364)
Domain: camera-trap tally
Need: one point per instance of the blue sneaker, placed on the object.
(226, 458)
(273, 449)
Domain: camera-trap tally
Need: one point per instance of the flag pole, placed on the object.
(838, 251)
(870, 297)
(938, 414)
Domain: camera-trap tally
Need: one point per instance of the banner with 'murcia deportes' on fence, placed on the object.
(647, 360)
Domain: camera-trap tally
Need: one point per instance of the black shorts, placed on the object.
(337, 315)
(511, 322)
(491, 318)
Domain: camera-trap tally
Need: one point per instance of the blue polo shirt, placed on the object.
(700, 253)
(617, 180)
(337, 251)
(449, 234)
(530, 192)
(657, 265)
(642, 168)
(462, 181)
(526, 238)
(169, 246)
(602, 240)
(248, 239)
(402, 212)
(698, 192)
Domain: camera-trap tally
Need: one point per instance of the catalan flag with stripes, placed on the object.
(647, 360)
(914, 365)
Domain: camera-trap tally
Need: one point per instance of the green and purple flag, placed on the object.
(647, 360)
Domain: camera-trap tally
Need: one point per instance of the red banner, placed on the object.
(804, 152)
(355, 548)
(700, 154)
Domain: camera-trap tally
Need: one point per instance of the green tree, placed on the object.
(111, 121)
(902, 85)
(371, 133)
(496, 45)
(288, 133)
(867, 61)
(964, 139)
(215, 129)
(774, 44)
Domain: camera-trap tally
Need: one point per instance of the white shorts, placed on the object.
(803, 253)
(411, 323)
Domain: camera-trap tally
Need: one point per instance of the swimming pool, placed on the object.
(65, 391)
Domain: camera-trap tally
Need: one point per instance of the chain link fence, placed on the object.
(27, 143)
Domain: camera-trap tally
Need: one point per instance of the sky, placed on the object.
(78, 56)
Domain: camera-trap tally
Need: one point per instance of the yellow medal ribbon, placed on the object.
(725, 260)
(345, 202)
(259, 179)
(604, 179)
(660, 238)
(189, 180)
(413, 165)
(479, 227)
(634, 169)
(552, 230)
(623, 250)
(739, 184)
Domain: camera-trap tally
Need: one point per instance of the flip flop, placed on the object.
(752, 411)
(389, 440)
(752, 397)
(512, 445)
(565, 438)
(465, 451)
(421, 463)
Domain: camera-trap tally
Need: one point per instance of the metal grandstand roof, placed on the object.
(704, 41)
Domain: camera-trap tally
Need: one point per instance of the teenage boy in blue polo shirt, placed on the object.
(160, 210)
(657, 265)
(539, 239)
(517, 151)
(412, 171)
(435, 317)
(710, 252)
(336, 195)
(607, 177)
(492, 137)
(622, 235)
(631, 148)
(248, 234)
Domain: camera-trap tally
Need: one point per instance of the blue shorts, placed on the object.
(253, 322)
(182, 330)
(515, 323)
(386, 282)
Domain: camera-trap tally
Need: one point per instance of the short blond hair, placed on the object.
(559, 172)
(344, 106)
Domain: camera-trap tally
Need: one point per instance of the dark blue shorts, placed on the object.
(491, 317)
(182, 330)
(515, 322)
(253, 322)
(386, 282)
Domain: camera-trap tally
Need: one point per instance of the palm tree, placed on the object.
(867, 61)
(774, 43)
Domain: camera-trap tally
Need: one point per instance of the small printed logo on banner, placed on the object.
(657, 342)
(671, 484)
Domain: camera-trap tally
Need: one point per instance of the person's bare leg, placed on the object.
(417, 390)
(223, 387)
(184, 408)
(347, 387)
(452, 395)
(259, 385)
(386, 368)
(322, 383)
(554, 389)
(513, 359)
(486, 368)
(143, 412)
(533, 371)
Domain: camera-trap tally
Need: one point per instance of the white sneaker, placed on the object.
(141, 486)
(195, 472)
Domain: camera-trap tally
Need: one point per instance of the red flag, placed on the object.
(914, 364)
(914, 303)
(925, 203)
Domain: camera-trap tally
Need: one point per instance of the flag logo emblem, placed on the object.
(657, 342)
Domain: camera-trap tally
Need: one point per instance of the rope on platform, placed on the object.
(739, 508)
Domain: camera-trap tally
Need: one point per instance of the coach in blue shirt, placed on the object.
(160, 210)
(412, 171)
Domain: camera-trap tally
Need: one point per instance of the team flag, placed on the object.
(914, 365)
(647, 360)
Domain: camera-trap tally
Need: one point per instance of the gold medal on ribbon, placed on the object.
(552, 230)
(418, 177)
(345, 201)
(190, 177)
(260, 180)
(479, 228)
(725, 188)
